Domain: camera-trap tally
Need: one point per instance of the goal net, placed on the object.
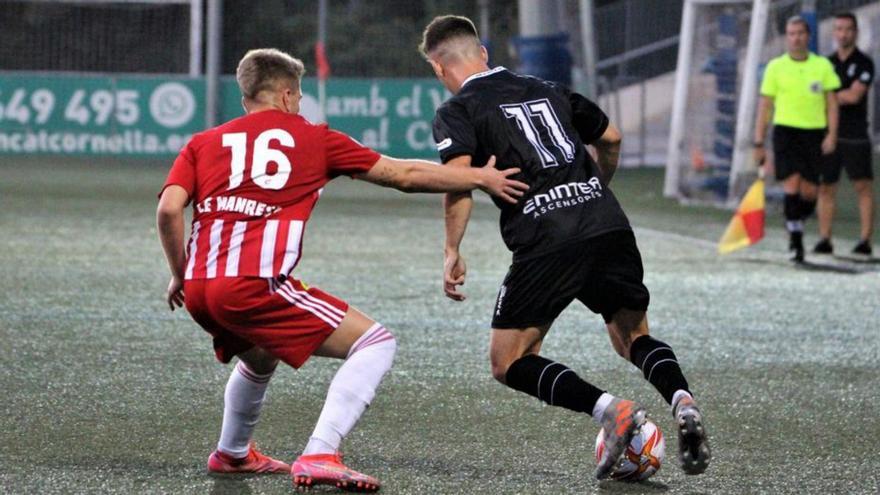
(715, 94)
(134, 36)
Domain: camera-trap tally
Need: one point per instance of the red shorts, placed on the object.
(290, 319)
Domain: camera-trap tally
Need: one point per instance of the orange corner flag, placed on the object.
(747, 225)
(321, 61)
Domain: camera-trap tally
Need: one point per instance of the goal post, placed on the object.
(101, 77)
(723, 45)
(103, 36)
(694, 10)
(742, 149)
(679, 101)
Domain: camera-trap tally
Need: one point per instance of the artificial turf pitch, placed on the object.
(103, 390)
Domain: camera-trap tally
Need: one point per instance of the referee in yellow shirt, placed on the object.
(798, 88)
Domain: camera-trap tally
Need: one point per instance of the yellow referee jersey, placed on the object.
(798, 89)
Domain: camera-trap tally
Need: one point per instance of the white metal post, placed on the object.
(212, 61)
(588, 40)
(745, 113)
(538, 18)
(195, 37)
(483, 6)
(679, 100)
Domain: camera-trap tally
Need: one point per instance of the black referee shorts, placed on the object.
(603, 272)
(798, 151)
(852, 154)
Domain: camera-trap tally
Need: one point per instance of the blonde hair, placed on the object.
(264, 69)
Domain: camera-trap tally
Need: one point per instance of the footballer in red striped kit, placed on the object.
(253, 183)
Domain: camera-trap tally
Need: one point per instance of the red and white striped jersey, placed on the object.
(253, 182)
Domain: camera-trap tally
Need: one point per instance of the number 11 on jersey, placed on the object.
(525, 113)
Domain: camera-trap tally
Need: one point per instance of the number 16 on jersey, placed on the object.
(263, 154)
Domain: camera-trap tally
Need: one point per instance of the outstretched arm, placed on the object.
(608, 152)
(457, 208)
(424, 176)
(170, 223)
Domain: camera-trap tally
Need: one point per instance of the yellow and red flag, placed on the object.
(747, 225)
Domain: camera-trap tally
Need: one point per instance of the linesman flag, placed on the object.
(747, 225)
(320, 54)
(321, 61)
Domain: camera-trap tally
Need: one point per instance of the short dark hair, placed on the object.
(444, 28)
(796, 19)
(848, 15)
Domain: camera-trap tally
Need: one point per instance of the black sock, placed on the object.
(552, 382)
(808, 206)
(659, 365)
(791, 207)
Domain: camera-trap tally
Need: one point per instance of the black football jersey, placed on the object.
(854, 118)
(541, 128)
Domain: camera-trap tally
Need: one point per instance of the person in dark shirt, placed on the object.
(569, 237)
(856, 73)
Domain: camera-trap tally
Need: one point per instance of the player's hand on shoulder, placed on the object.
(454, 271)
(498, 182)
(174, 295)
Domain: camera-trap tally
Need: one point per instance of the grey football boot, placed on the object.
(621, 420)
(693, 443)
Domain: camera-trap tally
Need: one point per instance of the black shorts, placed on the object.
(603, 272)
(855, 155)
(797, 151)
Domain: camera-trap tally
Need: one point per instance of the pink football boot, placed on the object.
(253, 462)
(328, 469)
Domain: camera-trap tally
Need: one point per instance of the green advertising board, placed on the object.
(98, 115)
(155, 116)
(392, 116)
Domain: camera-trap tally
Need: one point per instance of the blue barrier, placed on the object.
(546, 57)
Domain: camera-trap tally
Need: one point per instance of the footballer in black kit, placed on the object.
(568, 234)
(569, 237)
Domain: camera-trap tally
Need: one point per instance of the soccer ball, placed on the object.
(642, 457)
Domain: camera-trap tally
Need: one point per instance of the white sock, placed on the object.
(677, 396)
(601, 405)
(352, 389)
(242, 403)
